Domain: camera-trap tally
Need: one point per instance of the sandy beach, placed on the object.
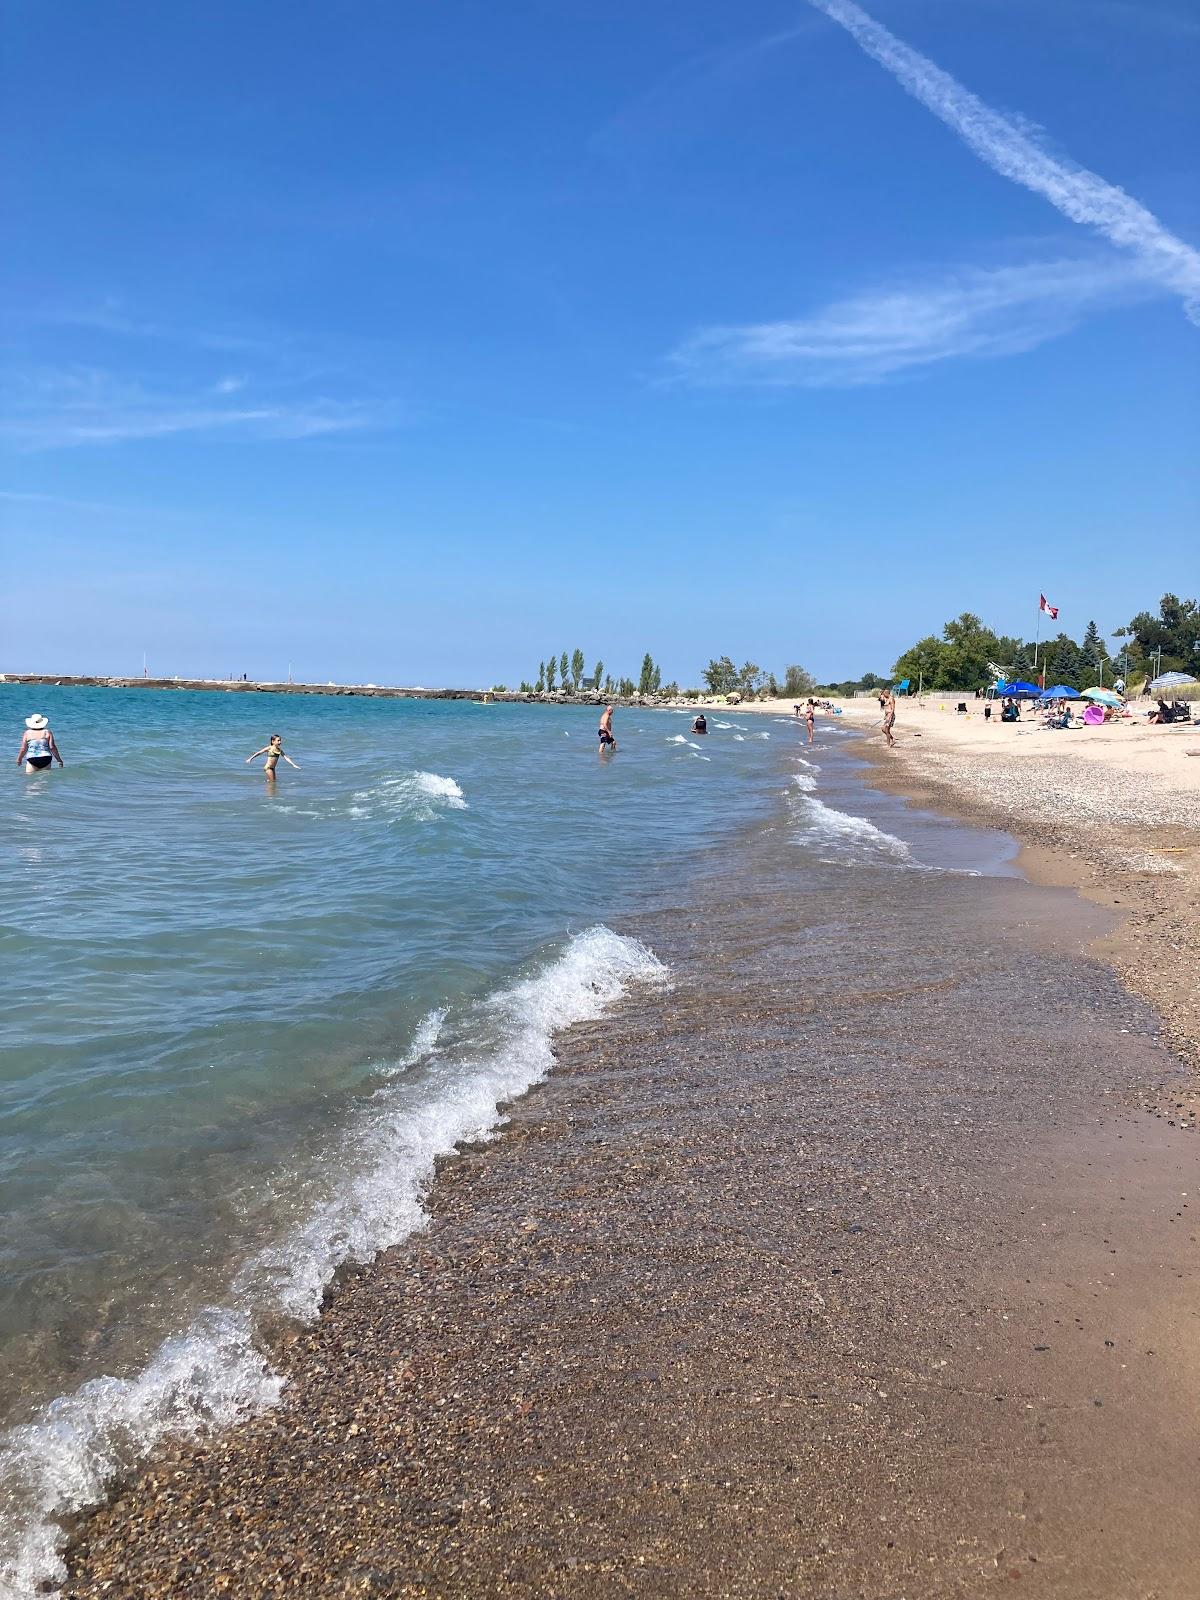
(831, 1272)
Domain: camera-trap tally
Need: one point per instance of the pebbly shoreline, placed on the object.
(817, 1276)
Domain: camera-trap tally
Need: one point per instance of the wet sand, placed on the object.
(843, 1269)
(1128, 841)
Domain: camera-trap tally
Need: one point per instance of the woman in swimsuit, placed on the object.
(810, 720)
(274, 752)
(38, 748)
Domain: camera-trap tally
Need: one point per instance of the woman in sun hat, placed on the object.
(38, 748)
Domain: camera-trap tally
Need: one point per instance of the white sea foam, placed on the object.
(760, 735)
(214, 1372)
(803, 761)
(740, 738)
(412, 796)
(677, 738)
(849, 837)
(804, 780)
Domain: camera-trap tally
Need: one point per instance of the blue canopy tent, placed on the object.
(1059, 692)
(1018, 690)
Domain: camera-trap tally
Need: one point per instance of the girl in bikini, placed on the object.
(274, 752)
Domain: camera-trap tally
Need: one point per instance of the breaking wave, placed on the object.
(214, 1372)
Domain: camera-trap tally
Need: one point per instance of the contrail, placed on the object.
(1079, 194)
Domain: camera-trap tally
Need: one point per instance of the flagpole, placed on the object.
(1037, 637)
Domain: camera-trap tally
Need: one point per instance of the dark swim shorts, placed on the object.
(605, 736)
(39, 762)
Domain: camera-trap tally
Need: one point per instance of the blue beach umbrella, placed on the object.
(1171, 680)
(1059, 692)
(1013, 691)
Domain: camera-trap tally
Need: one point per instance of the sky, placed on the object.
(412, 343)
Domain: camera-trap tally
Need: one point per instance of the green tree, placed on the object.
(1175, 632)
(1063, 661)
(797, 683)
(577, 669)
(625, 689)
(540, 686)
(749, 679)
(608, 686)
(598, 675)
(720, 676)
(645, 682)
(922, 662)
(551, 669)
(564, 669)
(1094, 653)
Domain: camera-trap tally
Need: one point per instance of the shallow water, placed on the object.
(242, 1020)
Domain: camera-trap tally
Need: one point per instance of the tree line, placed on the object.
(967, 653)
(563, 674)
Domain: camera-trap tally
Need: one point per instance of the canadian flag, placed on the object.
(1044, 605)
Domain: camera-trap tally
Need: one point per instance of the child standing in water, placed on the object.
(274, 752)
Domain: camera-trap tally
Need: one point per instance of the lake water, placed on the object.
(242, 1020)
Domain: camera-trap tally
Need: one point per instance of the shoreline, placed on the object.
(728, 1308)
(1150, 885)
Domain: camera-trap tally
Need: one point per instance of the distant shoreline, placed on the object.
(65, 680)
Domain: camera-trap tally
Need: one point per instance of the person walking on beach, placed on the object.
(274, 752)
(604, 731)
(38, 748)
(810, 719)
(887, 701)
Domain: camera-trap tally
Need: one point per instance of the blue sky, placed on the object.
(408, 343)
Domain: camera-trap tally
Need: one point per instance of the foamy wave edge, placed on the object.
(214, 1373)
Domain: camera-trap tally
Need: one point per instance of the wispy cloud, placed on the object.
(58, 408)
(1013, 151)
(876, 335)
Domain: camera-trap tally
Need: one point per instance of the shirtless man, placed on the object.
(887, 701)
(604, 731)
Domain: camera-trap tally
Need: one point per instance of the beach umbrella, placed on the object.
(1060, 692)
(1171, 680)
(1105, 696)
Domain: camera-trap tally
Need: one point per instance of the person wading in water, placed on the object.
(274, 752)
(38, 748)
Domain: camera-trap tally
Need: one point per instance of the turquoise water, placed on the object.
(242, 1020)
(202, 973)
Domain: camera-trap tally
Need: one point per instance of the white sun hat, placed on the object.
(36, 721)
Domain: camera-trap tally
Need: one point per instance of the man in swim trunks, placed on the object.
(38, 748)
(604, 731)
